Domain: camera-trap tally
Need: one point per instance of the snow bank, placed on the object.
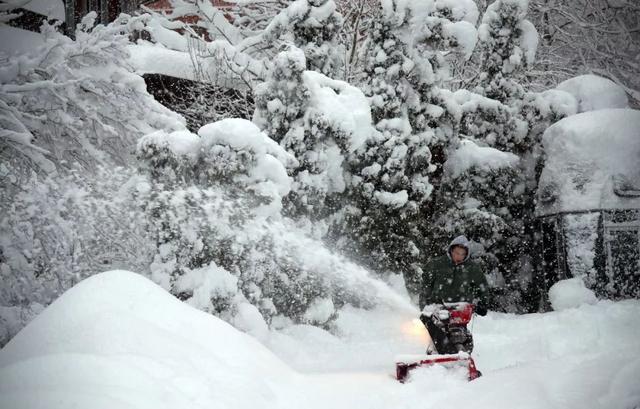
(118, 340)
(592, 162)
(593, 92)
(570, 293)
(580, 358)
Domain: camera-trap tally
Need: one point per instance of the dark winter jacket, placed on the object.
(444, 281)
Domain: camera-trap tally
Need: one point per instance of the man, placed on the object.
(452, 278)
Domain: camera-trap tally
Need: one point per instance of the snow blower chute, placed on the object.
(447, 325)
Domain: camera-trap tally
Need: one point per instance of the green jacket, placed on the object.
(442, 281)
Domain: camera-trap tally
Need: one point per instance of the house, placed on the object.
(589, 202)
(32, 13)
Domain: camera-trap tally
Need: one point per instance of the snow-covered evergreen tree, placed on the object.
(319, 121)
(315, 30)
(508, 42)
(405, 67)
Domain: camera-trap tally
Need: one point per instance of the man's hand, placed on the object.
(481, 309)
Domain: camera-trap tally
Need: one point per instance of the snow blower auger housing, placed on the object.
(453, 342)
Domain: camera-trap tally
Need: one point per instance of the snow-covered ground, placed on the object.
(117, 340)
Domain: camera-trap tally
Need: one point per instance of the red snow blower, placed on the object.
(453, 342)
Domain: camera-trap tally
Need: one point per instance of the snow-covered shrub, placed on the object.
(282, 99)
(71, 113)
(570, 293)
(213, 206)
(490, 121)
(78, 99)
(435, 32)
(540, 110)
(315, 25)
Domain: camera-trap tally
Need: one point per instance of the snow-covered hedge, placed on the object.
(570, 293)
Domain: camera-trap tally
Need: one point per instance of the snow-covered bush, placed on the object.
(490, 121)
(315, 30)
(213, 204)
(570, 293)
(71, 113)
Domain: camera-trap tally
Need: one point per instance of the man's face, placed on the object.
(458, 254)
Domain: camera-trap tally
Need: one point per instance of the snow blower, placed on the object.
(452, 340)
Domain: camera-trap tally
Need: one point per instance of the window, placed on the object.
(626, 187)
(622, 240)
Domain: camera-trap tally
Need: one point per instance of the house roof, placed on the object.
(53, 9)
(592, 163)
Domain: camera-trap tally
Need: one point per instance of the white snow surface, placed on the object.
(593, 92)
(341, 104)
(570, 293)
(118, 340)
(589, 156)
(54, 9)
(470, 155)
(461, 10)
(16, 41)
(465, 34)
(152, 59)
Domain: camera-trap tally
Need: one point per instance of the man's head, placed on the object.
(458, 254)
(458, 250)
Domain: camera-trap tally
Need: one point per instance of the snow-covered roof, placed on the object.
(593, 92)
(16, 41)
(149, 59)
(54, 9)
(593, 162)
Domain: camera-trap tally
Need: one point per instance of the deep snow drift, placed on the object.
(116, 340)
